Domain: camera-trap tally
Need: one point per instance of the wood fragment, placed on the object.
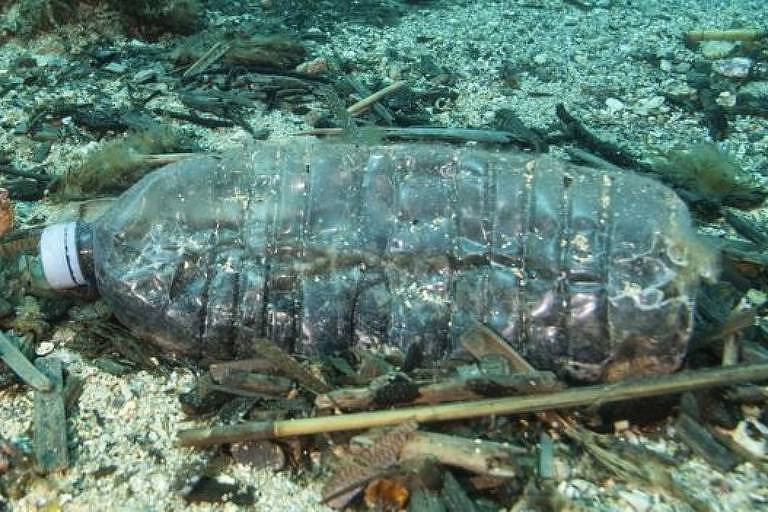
(284, 362)
(21, 366)
(475, 455)
(259, 383)
(588, 395)
(731, 350)
(481, 341)
(698, 438)
(454, 496)
(220, 371)
(449, 390)
(754, 353)
(748, 394)
(425, 501)
(579, 133)
(208, 59)
(546, 457)
(50, 420)
(346, 399)
(746, 228)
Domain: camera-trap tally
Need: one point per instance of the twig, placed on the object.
(382, 111)
(576, 130)
(205, 122)
(166, 158)
(21, 366)
(209, 58)
(365, 103)
(684, 381)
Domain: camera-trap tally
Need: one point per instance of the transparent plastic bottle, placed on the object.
(322, 246)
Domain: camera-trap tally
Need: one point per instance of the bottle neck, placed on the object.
(66, 253)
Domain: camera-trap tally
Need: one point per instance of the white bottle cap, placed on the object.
(58, 254)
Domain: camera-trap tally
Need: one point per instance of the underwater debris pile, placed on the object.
(150, 18)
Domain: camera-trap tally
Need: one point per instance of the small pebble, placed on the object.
(726, 99)
(613, 105)
(717, 49)
(145, 76)
(44, 348)
(737, 67)
(313, 67)
(646, 106)
(116, 68)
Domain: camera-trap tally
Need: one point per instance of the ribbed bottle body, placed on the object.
(324, 246)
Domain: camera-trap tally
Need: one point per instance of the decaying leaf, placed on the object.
(7, 212)
(354, 470)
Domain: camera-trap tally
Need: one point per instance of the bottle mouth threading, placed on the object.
(65, 251)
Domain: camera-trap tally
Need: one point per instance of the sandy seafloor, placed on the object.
(609, 65)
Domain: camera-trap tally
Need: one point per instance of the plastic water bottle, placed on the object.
(320, 247)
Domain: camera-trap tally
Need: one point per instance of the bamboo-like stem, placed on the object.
(604, 393)
(18, 362)
(741, 34)
(368, 101)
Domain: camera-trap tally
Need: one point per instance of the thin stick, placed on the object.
(605, 393)
(365, 103)
(427, 133)
(19, 363)
(166, 158)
